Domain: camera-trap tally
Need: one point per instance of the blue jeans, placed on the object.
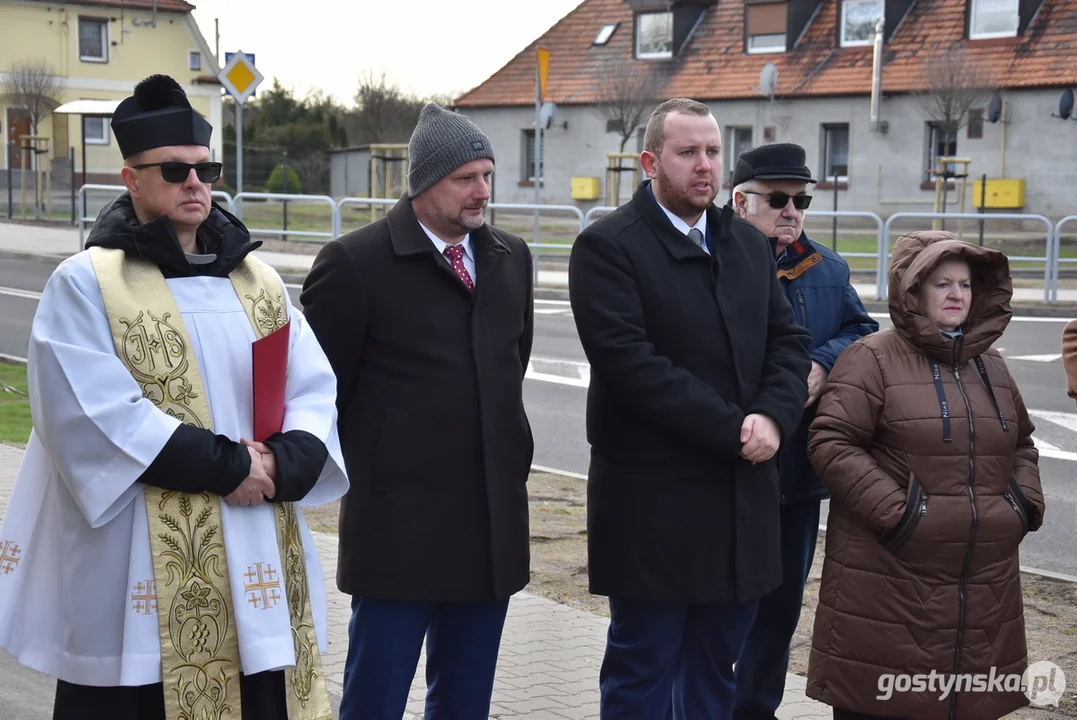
(762, 668)
(385, 640)
(671, 660)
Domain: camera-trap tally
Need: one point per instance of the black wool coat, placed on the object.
(682, 347)
(431, 416)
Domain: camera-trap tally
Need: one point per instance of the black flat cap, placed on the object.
(777, 161)
(158, 115)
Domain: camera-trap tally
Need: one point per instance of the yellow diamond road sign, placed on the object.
(240, 77)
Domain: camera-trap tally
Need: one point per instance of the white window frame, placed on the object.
(661, 55)
(934, 132)
(103, 24)
(102, 140)
(974, 14)
(605, 33)
(827, 129)
(731, 144)
(771, 48)
(191, 54)
(844, 8)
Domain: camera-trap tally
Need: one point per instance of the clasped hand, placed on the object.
(260, 484)
(759, 437)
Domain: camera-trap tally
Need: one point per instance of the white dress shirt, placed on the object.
(469, 254)
(681, 225)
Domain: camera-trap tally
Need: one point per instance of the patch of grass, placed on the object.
(14, 405)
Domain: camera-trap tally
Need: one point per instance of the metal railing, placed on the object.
(371, 203)
(880, 269)
(332, 234)
(600, 210)
(1050, 293)
(884, 229)
(1058, 259)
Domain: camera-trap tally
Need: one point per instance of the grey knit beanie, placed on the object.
(442, 142)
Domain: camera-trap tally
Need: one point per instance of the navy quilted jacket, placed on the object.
(816, 283)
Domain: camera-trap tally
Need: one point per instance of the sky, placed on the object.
(425, 47)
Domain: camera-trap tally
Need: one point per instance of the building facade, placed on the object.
(802, 71)
(100, 49)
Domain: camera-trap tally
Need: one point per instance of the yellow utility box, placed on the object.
(585, 188)
(1001, 193)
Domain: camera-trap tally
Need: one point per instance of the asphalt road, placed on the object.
(555, 396)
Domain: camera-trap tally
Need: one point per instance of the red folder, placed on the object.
(270, 357)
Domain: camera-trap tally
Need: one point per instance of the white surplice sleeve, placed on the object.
(89, 413)
(311, 405)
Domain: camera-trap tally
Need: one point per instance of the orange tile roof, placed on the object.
(713, 64)
(163, 5)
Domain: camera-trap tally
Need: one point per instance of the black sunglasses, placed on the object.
(178, 172)
(779, 200)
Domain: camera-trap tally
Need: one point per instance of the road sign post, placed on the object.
(541, 73)
(240, 77)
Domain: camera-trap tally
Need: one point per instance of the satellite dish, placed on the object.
(768, 79)
(1065, 104)
(994, 108)
(547, 113)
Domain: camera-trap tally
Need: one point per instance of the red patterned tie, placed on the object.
(455, 254)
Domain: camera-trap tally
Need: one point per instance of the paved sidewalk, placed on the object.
(64, 241)
(550, 653)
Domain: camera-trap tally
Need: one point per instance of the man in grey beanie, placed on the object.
(426, 317)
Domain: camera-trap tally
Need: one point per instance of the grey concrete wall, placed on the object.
(886, 170)
(579, 150)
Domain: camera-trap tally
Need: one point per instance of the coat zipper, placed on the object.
(803, 308)
(972, 533)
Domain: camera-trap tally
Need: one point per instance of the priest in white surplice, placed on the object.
(156, 560)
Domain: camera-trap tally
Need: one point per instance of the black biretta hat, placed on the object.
(158, 115)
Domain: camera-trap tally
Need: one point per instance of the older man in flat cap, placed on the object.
(175, 392)
(426, 316)
(770, 192)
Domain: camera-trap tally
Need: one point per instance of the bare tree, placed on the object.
(383, 114)
(31, 84)
(954, 84)
(626, 91)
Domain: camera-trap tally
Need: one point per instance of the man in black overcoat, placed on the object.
(426, 317)
(698, 373)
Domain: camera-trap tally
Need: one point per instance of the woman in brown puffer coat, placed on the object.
(926, 447)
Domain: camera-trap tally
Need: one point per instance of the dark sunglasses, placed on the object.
(779, 200)
(178, 172)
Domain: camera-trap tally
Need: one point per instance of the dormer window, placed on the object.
(858, 19)
(993, 19)
(654, 35)
(765, 26)
(605, 34)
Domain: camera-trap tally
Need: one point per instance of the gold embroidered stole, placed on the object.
(199, 649)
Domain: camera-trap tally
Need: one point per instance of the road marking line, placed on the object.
(13, 359)
(1064, 419)
(1047, 357)
(1059, 455)
(20, 293)
(555, 471)
(557, 379)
